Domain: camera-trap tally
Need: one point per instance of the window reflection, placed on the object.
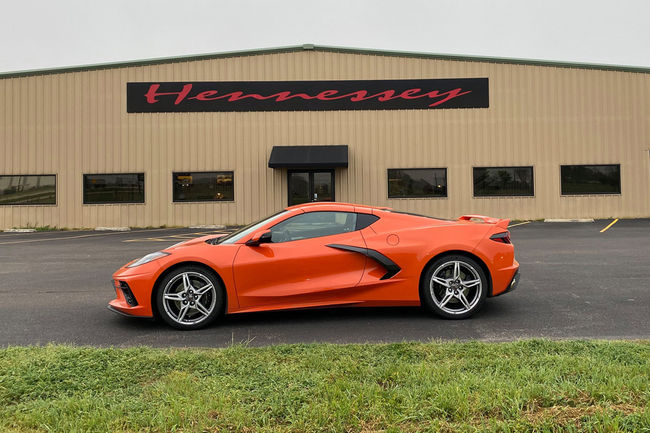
(203, 186)
(312, 225)
(114, 188)
(591, 179)
(417, 182)
(503, 181)
(27, 189)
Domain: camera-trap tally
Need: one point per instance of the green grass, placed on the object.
(533, 385)
(49, 229)
(46, 228)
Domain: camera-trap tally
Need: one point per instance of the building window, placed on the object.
(27, 189)
(591, 179)
(417, 182)
(113, 188)
(503, 181)
(204, 186)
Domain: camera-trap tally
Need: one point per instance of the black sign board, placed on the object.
(165, 97)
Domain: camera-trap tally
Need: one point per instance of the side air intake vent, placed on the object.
(128, 294)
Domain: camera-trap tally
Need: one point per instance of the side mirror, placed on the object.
(259, 238)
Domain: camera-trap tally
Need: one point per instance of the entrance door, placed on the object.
(310, 185)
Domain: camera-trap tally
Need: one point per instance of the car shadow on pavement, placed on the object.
(342, 317)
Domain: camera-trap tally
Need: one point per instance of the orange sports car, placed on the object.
(324, 254)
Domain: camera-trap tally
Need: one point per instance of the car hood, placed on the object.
(191, 242)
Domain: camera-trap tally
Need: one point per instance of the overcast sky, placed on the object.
(56, 33)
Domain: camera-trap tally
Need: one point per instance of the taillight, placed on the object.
(503, 237)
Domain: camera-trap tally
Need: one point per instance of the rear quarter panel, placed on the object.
(412, 241)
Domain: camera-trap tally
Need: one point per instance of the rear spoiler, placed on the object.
(503, 223)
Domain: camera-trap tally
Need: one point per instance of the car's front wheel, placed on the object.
(454, 287)
(190, 297)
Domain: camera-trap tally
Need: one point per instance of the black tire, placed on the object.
(448, 302)
(174, 296)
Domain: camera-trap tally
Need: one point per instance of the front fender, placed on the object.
(143, 279)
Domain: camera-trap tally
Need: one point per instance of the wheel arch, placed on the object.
(474, 257)
(163, 274)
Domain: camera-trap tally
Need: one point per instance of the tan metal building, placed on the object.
(80, 147)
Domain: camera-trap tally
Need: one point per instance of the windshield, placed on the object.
(245, 231)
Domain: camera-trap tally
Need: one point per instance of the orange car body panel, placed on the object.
(311, 273)
(308, 273)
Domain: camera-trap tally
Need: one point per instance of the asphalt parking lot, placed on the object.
(577, 282)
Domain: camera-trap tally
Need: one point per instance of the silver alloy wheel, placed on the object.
(189, 298)
(456, 287)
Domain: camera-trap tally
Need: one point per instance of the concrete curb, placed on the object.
(112, 229)
(19, 230)
(568, 220)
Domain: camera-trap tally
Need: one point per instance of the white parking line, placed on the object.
(176, 237)
(26, 241)
(519, 224)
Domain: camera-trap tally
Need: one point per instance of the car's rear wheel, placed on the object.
(190, 297)
(454, 287)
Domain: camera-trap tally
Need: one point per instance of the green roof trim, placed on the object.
(311, 47)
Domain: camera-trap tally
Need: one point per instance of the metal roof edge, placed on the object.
(485, 59)
(325, 48)
(148, 62)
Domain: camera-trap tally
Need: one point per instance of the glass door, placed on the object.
(322, 186)
(298, 187)
(310, 185)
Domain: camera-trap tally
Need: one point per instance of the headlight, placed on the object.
(148, 258)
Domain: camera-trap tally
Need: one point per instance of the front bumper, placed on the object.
(121, 306)
(122, 313)
(133, 291)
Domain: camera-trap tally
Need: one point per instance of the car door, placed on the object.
(298, 266)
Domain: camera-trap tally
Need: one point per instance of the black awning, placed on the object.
(309, 156)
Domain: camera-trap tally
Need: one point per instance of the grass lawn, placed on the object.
(533, 385)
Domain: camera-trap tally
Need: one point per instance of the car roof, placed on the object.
(329, 205)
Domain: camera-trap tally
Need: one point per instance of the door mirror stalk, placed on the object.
(260, 238)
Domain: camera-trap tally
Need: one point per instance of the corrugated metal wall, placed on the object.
(73, 123)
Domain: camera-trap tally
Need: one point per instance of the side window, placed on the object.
(313, 225)
(364, 220)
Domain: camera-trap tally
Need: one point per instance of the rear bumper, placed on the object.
(513, 284)
(503, 278)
